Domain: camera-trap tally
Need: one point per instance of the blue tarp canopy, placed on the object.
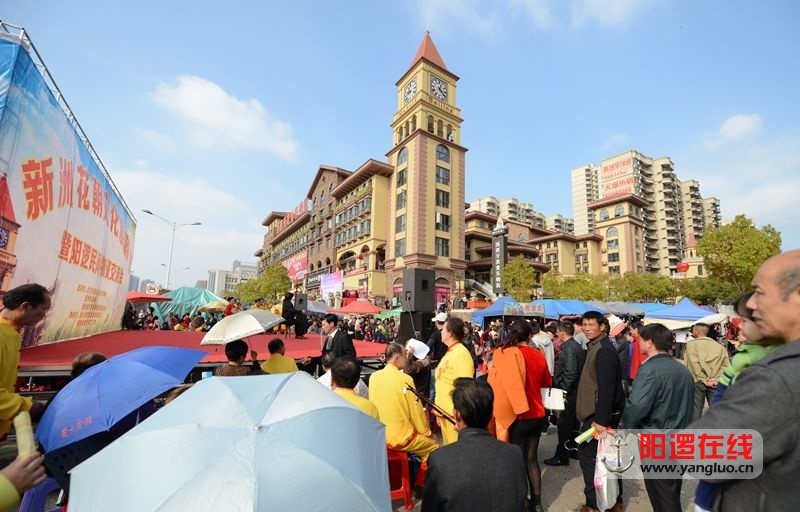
(185, 299)
(554, 308)
(650, 306)
(683, 310)
(496, 309)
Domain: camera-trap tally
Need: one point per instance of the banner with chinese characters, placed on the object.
(617, 177)
(297, 266)
(62, 222)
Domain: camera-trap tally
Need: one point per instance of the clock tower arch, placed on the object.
(426, 228)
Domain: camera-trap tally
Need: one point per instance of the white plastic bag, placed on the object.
(606, 484)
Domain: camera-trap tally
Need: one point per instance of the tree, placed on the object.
(733, 252)
(519, 278)
(643, 287)
(271, 285)
(580, 286)
(706, 290)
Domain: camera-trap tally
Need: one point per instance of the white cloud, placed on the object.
(229, 231)
(606, 12)
(539, 12)
(155, 139)
(449, 15)
(758, 180)
(735, 129)
(216, 119)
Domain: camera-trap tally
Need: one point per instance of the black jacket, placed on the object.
(662, 396)
(568, 366)
(340, 345)
(287, 310)
(476, 473)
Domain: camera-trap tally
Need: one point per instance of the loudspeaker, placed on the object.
(418, 290)
(301, 302)
(423, 323)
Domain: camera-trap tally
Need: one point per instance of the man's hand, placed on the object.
(305, 361)
(25, 472)
(600, 429)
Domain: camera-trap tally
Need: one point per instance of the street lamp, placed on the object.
(174, 226)
(176, 270)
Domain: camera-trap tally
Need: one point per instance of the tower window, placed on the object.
(603, 214)
(413, 123)
(619, 211)
(442, 247)
(442, 175)
(400, 223)
(401, 178)
(400, 247)
(612, 233)
(442, 222)
(442, 198)
(442, 153)
(430, 124)
(402, 157)
(401, 200)
(440, 128)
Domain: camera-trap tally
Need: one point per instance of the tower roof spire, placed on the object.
(427, 50)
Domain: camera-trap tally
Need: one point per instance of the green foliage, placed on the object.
(519, 279)
(706, 290)
(641, 287)
(580, 286)
(732, 253)
(271, 285)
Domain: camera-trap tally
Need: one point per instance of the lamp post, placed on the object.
(174, 226)
(175, 270)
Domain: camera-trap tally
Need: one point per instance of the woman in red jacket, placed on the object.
(517, 376)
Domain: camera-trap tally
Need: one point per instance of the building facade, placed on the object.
(408, 212)
(222, 282)
(650, 212)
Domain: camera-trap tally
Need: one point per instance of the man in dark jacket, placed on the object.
(600, 399)
(662, 398)
(477, 472)
(765, 396)
(568, 371)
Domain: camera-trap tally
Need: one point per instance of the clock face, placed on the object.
(410, 91)
(3, 238)
(439, 88)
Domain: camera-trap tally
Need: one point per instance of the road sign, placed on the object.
(152, 288)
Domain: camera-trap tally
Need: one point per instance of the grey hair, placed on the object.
(789, 282)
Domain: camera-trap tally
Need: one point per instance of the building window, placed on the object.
(442, 222)
(613, 257)
(442, 175)
(699, 270)
(401, 200)
(612, 244)
(400, 224)
(603, 214)
(442, 153)
(402, 157)
(442, 198)
(612, 233)
(442, 247)
(613, 269)
(619, 211)
(401, 178)
(400, 247)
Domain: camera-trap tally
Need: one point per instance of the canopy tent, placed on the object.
(358, 307)
(496, 309)
(185, 300)
(649, 306)
(390, 313)
(317, 307)
(671, 324)
(554, 308)
(144, 298)
(683, 310)
(619, 308)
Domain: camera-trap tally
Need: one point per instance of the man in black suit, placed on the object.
(338, 341)
(477, 472)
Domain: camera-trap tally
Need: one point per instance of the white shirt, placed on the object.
(361, 389)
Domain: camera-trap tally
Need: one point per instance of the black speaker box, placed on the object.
(301, 302)
(418, 290)
(423, 324)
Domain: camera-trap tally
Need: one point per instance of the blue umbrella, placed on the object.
(106, 393)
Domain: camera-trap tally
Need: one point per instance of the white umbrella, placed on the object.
(273, 442)
(241, 325)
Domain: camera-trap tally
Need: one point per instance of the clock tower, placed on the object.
(426, 228)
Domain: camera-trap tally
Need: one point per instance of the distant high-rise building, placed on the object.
(512, 209)
(133, 283)
(222, 282)
(643, 211)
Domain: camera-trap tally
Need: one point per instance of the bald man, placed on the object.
(766, 396)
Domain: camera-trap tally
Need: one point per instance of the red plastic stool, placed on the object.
(399, 474)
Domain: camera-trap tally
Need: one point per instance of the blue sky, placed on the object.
(220, 113)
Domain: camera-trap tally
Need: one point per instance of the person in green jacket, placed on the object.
(662, 397)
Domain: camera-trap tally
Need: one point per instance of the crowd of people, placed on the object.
(471, 411)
